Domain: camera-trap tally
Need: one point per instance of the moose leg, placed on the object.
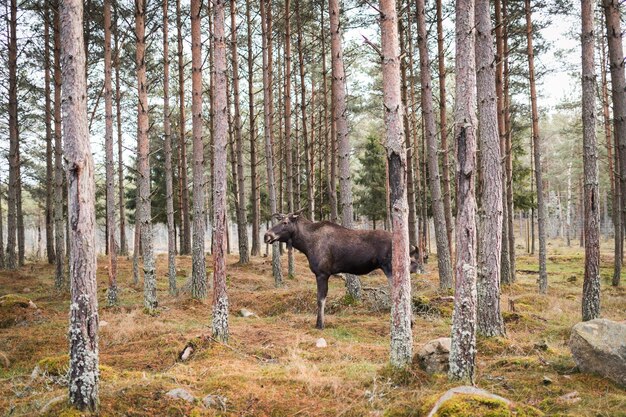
(322, 291)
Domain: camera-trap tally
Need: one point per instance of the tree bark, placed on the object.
(443, 123)
(199, 278)
(84, 321)
(618, 93)
(49, 136)
(143, 162)
(591, 284)
(489, 318)
(120, 155)
(185, 244)
(167, 145)
(242, 223)
(110, 171)
(340, 120)
(400, 281)
(463, 350)
(268, 131)
(255, 197)
(509, 147)
(541, 205)
(288, 145)
(59, 223)
(2, 259)
(14, 161)
(443, 254)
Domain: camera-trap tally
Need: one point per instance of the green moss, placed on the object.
(70, 412)
(478, 406)
(55, 365)
(14, 300)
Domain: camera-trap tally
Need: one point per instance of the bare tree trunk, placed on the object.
(400, 281)
(120, 159)
(84, 321)
(199, 278)
(49, 135)
(447, 194)
(568, 215)
(287, 122)
(14, 161)
(443, 254)
(143, 162)
(489, 318)
(110, 171)
(255, 197)
(463, 351)
(591, 285)
(136, 243)
(340, 119)
(618, 91)
(268, 131)
(167, 139)
(59, 223)
(331, 163)
(2, 260)
(509, 147)
(20, 214)
(242, 223)
(220, 298)
(541, 205)
(185, 247)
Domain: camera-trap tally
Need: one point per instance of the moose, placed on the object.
(333, 249)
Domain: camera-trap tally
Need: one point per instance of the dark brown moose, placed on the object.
(333, 249)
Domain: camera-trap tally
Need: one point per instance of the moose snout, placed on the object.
(269, 237)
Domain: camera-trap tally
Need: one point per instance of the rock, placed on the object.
(477, 402)
(246, 313)
(321, 343)
(46, 408)
(26, 290)
(186, 353)
(180, 394)
(599, 346)
(215, 401)
(547, 380)
(541, 345)
(569, 398)
(433, 356)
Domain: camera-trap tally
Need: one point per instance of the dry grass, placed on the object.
(271, 366)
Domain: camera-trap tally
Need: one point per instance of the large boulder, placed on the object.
(599, 346)
(434, 356)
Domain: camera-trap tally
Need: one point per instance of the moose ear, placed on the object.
(278, 216)
(296, 214)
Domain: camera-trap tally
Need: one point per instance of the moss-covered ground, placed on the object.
(271, 366)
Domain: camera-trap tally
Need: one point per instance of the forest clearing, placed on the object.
(272, 367)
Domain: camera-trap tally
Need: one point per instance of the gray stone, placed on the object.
(465, 390)
(321, 343)
(180, 394)
(246, 313)
(599, 346)
(215, 401)
(434, 356)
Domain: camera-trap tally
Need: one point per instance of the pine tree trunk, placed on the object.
(340, 121)
(242, 223)
(199, 278)
(541, 205)
(2, 259)
(185, 244)
(18, 209)
(120, 155)
(509, 148)
(49, 135)
(591, 284)
(14, 162)
(443, 122)
(463, 348)
(84, 321)
(618, 91)
(489, 318)
(220, 298)
(255, 197)
(59, 223)
(287, 122)
(400, 281)
(143, 162)
(268, 131)
(110, 170)
(167, 145)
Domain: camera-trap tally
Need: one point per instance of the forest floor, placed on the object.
(272, 367)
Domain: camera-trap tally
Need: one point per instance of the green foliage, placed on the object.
(370, 197)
